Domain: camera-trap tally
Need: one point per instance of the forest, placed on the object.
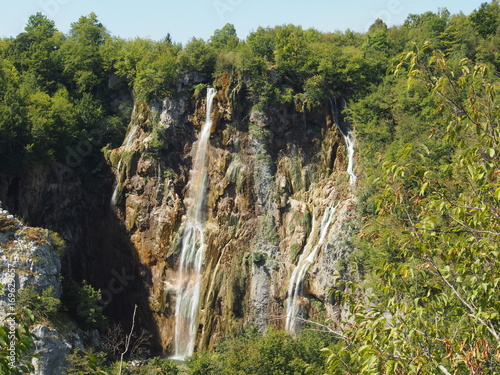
(419, 295)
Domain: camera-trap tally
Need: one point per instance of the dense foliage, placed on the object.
(276, 353)
(62, 95)
(436, 234)
(16, 344)
(422, 297)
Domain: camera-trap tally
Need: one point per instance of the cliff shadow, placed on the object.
(77, 205)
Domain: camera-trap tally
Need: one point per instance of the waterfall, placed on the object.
(127, 142)
(114, 196)
(130, 136)
(349, 141)
(306, 259)
(193, 244)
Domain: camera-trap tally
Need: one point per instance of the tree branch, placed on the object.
(325, 327)
(443, 369)
(472, 311)
(469, 229)
(127, 343)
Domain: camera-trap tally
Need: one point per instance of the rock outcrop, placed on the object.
(52, 350)
(30, 257)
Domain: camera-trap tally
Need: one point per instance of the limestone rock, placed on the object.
(29, 254)
(52, 349)
(270, 172)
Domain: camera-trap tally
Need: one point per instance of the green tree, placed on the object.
(197, 56)
(459, 39)
(86, 362)
(377, 36)
(427, 26)
(291, 53)
(262, 42)
(486, 19)
(14, 134)
(44, 304)
(83, 303)
(156, 72)
(83, 61)
(53, 123)
(225, 38)
(34, 51)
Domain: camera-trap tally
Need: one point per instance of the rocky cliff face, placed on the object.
(74, 201)
(28, 254)
(30, 257)
(271, 175)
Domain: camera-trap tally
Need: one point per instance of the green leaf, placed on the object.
(497, 194)
(424, 188)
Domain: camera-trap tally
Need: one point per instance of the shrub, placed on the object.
(57, 242)
(204, 363)
(44, 305)
(22, 348)
(276, 353)
(86, 362)
(154, 366)
(83, 303)
(159, 366)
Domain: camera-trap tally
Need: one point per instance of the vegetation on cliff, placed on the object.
(422, 296)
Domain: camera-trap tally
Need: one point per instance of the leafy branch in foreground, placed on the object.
(435, 307)
(16, 344)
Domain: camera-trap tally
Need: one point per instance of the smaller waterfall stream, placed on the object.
(193, 244)
(114, 196)
(349, 141)
(125, 147)
(306, 259)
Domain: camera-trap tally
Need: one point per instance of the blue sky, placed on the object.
(199, 18)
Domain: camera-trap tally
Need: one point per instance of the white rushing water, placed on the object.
(130, 137)
(193, 244)
(349, 141)
(295, 286)
(114, 196)
(125, 147)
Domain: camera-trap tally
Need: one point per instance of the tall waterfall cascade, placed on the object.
(193, 244)
(307, 258)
